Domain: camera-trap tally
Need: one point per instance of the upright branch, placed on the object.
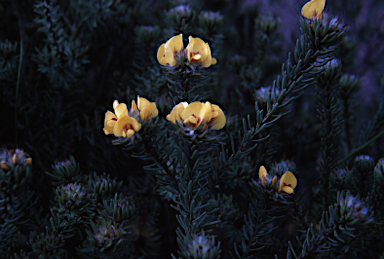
(313, 49)
(330, 115)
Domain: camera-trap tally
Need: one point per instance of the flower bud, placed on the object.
(378, 173)
(180, 17)
(349, 84)
(353, 210)
(364, 164)
(281, 167)
(210, 21)
(72, 196)
(267, 24)
(202, 246)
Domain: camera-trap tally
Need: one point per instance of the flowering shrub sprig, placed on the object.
(287, 183)
(123, 123)
(198, 52)
(195, 114)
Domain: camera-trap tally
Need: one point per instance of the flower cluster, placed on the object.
(353, 210)
(210, 116)
(72, 195)
(123, 123)
(201, 246)
(13, 157)
(287, 184)
(198, 52)
(107, 236)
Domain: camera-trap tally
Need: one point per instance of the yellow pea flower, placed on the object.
(288, 182)
(197, 113)
(119, 123)
(263, 174)
(126, 126)
(145, 108)
(199, 51)
(111, 118)
(166, 52)
(313, 8)
(194, 114)
(175, 114)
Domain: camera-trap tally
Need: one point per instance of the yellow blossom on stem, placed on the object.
(200, 52)
(194, 114)
(126, 126)
(263, 175)
(166, 52)
(288, 182)
(111, 118)
(197, 113)
(145, 108)
(119, 123)
(313, 8)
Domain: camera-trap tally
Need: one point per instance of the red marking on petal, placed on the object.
(289, 185)
(114, 119)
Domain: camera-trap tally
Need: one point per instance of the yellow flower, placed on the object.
(166, 52)
(288, 182)
(126, 126)
(263, 174)
(194, 114)
(199, 51)
(216, 117)
(197, 113)
(313, 8)
(111, 118)
(175, 114)
(145, 108)
(119, 123)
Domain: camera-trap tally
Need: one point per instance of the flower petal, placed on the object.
(161, 54)
(262, 172)
(134, 107)
(176, 112)
(213, 61)
(130, 133)
(176, 43)
(220, 121)
(192, 121)
(208, 113)
(109, 122)
(121, 110)
(165, 55)
(288, 180)
(151, 106)
(286, 189)
(145, 114)
(196, 110)
(115, 103)
(312, 8)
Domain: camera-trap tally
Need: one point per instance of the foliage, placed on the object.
(238, 144)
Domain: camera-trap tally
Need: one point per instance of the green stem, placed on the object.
(18, 79)
(360, 148)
